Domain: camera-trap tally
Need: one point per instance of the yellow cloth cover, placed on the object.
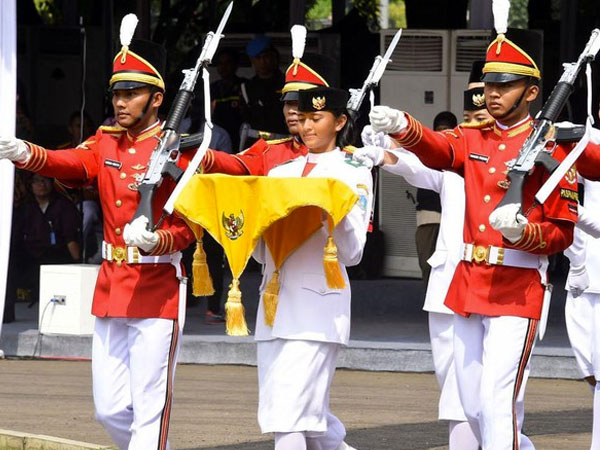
(238, 210)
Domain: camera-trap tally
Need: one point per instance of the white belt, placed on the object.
(132, 255)
(499, 256)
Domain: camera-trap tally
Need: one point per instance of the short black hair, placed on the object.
(445, 118)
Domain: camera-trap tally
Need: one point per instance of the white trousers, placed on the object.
(133, 369)
(294, 378)
(491, 355)
(441, 335)
(579, 317)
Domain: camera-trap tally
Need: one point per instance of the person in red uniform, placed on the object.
(138, 292)
(499, 286)
(264, 155)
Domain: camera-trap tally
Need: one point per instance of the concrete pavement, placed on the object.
(215, 407)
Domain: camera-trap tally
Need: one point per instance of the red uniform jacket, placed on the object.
(257, 160)
(588, 163)
(480, 156)
(118, 161)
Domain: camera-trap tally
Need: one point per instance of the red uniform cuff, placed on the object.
(165, 243)
(36, 160)
(531, 240)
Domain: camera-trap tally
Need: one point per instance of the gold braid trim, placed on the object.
(37, 159)
(161, 245)
(526, 239)
(208, 161)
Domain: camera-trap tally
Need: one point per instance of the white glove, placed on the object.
(135, 234)
(369, 137)
(14, 149)
(369, 156)
(508, 221)
(387, 120)
(578, 280)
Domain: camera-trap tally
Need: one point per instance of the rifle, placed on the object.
(247, 132)
(543, 136)
(165, 156)
(357, 96)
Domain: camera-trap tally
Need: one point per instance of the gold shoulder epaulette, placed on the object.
(112, 129)
(279, 141)
(478, 125)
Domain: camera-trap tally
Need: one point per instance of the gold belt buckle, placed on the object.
(481, 254)
(118, 255)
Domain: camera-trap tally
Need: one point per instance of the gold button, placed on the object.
(482, 228)
(123, 175)
(487, 198)
(502, 147)
(118, 203)
(119, 263)
(131, 151)
(492, 170)
(118, 231)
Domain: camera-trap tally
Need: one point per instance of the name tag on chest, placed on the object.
(112, 163)
(478, 157)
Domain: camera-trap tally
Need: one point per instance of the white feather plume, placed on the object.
(298, 40)
(128, 25)
(500, 9)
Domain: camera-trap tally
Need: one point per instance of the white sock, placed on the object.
(290, 441)
(461, 436)
(596, 423)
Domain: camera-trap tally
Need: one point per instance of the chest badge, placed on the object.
(504, 184)
(233, 225)
(138, 167)
(571, 175)
(133, 186)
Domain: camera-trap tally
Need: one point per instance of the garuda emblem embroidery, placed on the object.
(478, 100)
(233, 225)
(318, 103)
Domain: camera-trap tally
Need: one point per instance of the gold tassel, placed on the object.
(235, 323)
(202, 282)
(271, 298)
(333, 273)
(500, 39)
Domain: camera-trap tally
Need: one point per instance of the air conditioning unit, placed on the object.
(428, 73)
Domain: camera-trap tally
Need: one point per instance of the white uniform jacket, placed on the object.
(307, 308)
(586, 237)
(451, 188)
(585, 249)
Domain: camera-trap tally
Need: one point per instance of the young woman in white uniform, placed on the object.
(297, 355)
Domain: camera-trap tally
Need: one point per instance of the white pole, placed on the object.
(384, 14)
(8, 88)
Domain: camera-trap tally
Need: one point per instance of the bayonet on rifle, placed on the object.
(357, 96)
(165, 156)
